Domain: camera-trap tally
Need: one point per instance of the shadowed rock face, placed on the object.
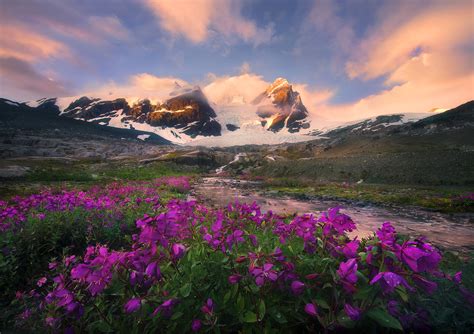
(282, 106)
(189, 111)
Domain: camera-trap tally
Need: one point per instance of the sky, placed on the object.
(348, 59)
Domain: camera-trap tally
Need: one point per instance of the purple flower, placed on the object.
(389, 281)
(178, 250)
(217, 226)
(350, 249)
(41, 281)
(348, 274)
(153, 270)
(297, 287)
(80, 271)
(196, 325)
(352, 312)
(132, 305)
(208, 308)
(335, 222)
(311, 309)
(386, 235)
(265, 273)
(165, 307)
(420, 259)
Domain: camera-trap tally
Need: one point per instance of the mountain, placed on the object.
(187, 114)
(184, 115)
(40, 131)
(460, 119)
(279, 106)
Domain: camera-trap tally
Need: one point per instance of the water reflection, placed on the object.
(455, 232)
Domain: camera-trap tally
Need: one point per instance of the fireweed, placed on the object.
(191, 268)
(38, 228)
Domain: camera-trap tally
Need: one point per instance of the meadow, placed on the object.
(137, 256)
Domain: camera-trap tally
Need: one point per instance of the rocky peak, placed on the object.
(282, 106)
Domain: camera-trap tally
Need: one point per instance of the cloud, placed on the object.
(425, 56)
(138, 86)
(27, 45)
(108, 26)
(197, 20)
(324, 17)
(245, 68)
(41, 35)
(221, 90)
(313, 98)
(19, 80)
(434, 30)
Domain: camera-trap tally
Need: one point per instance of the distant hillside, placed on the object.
(25, 131)
(435, 150)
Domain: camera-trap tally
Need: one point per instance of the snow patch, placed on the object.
(143, 137)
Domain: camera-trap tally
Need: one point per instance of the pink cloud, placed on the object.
(198, 19)
(433, 30)
(426, 56)
(22, 43)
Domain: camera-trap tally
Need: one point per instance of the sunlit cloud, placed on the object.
(426, 59)
(25, 44)
(137, 87)
(198, 19)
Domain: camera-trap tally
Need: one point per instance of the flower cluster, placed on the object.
(193, 268)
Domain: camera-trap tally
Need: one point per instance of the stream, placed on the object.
(449, 231)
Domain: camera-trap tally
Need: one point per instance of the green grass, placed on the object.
(434, 198)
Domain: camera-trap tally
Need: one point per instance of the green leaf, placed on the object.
(384, 319)
(185, 290)
(402, 292)
(250, 317)
(240, 303)
(176, 315)
(261, 309)
(227, 296)
(280, 318)
(322, 303)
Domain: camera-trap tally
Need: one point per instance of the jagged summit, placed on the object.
(281, 107)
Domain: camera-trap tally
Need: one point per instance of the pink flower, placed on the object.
(41, 281)
(457, 278)
(234, 279)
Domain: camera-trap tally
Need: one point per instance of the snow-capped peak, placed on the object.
(276, 85)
